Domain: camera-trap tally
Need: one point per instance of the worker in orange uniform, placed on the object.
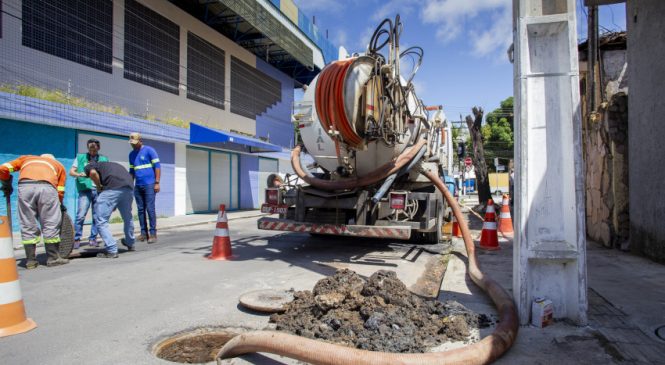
(41, 187)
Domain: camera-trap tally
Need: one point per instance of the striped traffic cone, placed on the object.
(505, 220)
(13, 319)
(488, 238)
(221, 244)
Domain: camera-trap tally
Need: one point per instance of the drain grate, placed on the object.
(660, 332)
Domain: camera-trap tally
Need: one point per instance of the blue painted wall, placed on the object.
(276, 121)
(249, 185)
(164, 203)
(22, 138)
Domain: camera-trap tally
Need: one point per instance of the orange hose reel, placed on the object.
(329, 100)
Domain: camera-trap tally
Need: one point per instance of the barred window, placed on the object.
(205, 72)
(252, 91)
(77, 30)
(152, 48)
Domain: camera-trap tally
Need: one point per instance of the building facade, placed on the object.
(72, 70)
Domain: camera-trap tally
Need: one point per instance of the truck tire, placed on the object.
(436, 236)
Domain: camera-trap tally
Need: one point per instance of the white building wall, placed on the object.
(25, 65)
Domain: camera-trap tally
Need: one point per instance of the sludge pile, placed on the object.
(378, 315)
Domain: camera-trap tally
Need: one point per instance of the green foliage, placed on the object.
(498, 134)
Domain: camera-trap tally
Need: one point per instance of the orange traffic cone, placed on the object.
(12, 311)
(456, 230)
(488, 238)
(505, 221)
(221, 244)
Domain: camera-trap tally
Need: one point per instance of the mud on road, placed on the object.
(379, 314)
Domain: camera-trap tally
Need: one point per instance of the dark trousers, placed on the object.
(145, 203)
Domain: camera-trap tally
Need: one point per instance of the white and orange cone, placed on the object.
(489, 240)
(13, 319)
(505, 220)
(221, 244)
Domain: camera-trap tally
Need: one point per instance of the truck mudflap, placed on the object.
(275, 224)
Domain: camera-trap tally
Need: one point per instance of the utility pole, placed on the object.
(592, 51)
(550, 236)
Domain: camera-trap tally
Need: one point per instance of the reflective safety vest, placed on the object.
(38, 169)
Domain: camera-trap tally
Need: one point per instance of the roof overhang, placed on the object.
(204, 136)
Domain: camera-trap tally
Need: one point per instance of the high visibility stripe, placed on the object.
(489, 225)
(52, 240)
(221, 232)
(6, 248)
(10, 292)
(8, 166)
(42, 162)
(32, 241)
(8, 270)
(146, 166)
(61, 188)
(131, 166)
(154, 160)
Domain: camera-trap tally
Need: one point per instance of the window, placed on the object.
(205, 72)
(77, 30)
(152, 48)
(252, 91)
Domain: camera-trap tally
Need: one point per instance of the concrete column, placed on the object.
(550, 252)
(180, 180)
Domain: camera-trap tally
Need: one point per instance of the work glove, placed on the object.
(63, 208)
(7, 188)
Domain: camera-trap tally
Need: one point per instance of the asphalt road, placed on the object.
(112, 311)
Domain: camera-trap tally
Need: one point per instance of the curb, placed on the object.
(174, 226)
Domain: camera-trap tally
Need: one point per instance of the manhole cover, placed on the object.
(660, 332)
(195, 347)
(269, 301)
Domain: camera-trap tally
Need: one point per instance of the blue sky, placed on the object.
(465, 42)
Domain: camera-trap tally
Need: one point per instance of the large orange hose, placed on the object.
(316, 352)
(329, 101)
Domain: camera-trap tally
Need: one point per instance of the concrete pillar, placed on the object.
(180, 180)
(550, 252)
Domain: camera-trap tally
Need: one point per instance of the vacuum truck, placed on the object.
(372, 140)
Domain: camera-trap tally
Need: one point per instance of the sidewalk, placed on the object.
(166, 223)
(626, 296)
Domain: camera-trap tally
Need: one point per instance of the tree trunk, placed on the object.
(482, 178)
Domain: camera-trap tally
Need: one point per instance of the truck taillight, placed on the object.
(272, 196)
(397, 200)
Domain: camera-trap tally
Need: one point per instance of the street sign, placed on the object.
(468, 161)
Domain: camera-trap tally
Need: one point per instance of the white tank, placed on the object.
(371, 153)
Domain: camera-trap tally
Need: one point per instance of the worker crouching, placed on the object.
(41, 188)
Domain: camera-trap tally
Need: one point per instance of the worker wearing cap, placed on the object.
(87, 192)
(145, 168)
(41, 188)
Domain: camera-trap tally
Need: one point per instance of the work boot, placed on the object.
(53, 252)
(108, 255)
(129, 247)
(77, 245)
(31, 257)
(141, 237)
(153, 238)
(92, 242)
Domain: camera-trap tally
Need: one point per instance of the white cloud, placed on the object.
(391, 8)
(456, 18)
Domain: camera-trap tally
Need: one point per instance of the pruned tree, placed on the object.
(482, 178)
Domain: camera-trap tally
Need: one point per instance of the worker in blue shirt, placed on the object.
(145, 168)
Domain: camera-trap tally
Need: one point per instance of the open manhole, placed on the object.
(194, 347)
(660, 332)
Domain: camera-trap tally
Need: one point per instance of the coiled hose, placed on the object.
(316, 352)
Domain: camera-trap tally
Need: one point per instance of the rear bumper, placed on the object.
(394, 232)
